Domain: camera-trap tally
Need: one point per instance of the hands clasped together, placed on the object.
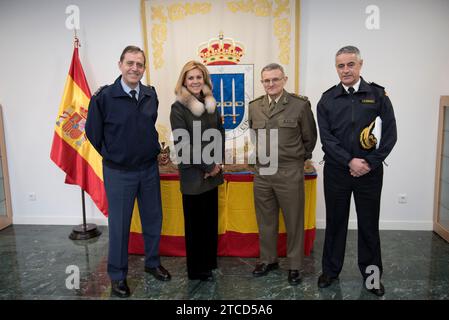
(214, 172)
(358, 167)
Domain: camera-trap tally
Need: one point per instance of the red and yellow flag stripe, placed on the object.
(237, 225)
(71, 150)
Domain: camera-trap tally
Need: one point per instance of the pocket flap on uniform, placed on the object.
(258, 124)
(288, 123)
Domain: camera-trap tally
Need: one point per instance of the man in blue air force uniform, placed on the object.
(121, 127)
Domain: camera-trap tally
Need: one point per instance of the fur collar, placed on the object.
(195, 106)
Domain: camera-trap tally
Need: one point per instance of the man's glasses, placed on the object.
(267, 82)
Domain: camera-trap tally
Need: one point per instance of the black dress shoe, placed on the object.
(325, 281)
(202, 276)
(294, 277)
(263, 268)
(120, 288)
(160, 273)
(377, 291)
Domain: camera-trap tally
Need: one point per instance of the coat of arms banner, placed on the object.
(234, 38)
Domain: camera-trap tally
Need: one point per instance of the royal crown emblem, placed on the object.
(233, 89)
(221, 50)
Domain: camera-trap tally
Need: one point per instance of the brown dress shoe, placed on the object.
(160, 273)
(262, 269)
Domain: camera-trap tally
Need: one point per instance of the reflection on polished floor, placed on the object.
(34, 261)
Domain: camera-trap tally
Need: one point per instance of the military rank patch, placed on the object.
(288, 120)
(299, 96)
(368, 101)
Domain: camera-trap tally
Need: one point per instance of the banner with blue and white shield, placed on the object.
(233, 88)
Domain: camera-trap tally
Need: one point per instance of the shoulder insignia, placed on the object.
(329, 89)
(299, 96)
(258, 98)
(380, 87)
(376, 85)
(100, 89)
(152, 88)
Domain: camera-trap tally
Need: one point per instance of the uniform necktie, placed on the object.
(272, 105)
(351, 90)
(133, 94)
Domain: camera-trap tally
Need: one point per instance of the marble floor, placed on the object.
(36, 262)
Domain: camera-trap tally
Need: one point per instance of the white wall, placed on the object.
(36, 49)
(408, 55)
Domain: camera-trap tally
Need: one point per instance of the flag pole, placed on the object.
(86, 230)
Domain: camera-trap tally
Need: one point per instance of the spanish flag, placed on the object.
(237, 226)
(71, 150)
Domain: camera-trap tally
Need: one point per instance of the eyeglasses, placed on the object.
(267, 82)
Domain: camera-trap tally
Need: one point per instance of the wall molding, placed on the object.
(422, 225)
(426, 225)
(55, 220)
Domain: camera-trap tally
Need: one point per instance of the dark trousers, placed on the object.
(122, 188)
(201, 231)
(338, 187)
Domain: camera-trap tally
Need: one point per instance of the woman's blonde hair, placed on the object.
(188, 67)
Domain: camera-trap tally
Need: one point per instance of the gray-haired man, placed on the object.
(353, 157)
(291, 117)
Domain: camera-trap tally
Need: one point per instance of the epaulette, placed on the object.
(376, 85)
(151, 87)
(329, 89)
(258, 98)
(298, 96)
(380, 87)
(100, 89)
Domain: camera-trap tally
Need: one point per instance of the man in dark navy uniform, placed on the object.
(121, 127)
(358, 130)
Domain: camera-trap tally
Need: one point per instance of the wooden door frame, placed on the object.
(5, 220)
(437, 227)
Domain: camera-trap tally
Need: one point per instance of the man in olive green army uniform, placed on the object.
(291, 117)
